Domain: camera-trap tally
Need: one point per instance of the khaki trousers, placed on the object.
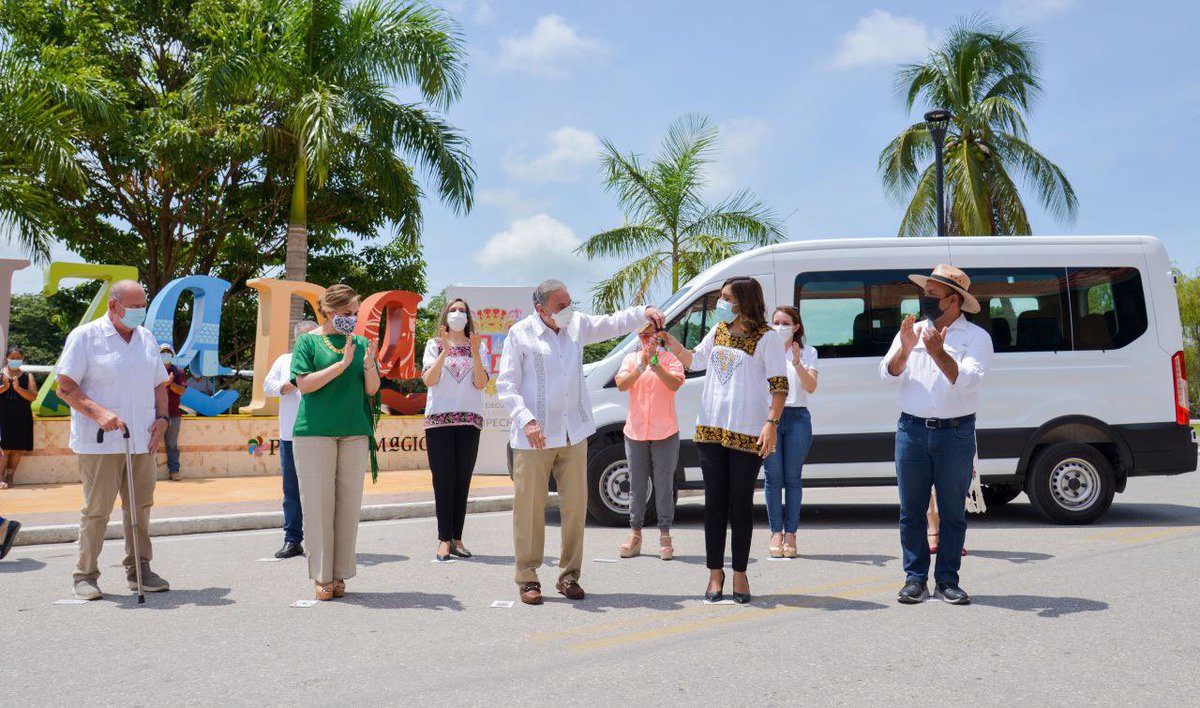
(330, 471)
(531, 483)
(103, 478)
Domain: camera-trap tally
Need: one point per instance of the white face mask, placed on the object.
(563, 317)
(456, 321)
(785, 330)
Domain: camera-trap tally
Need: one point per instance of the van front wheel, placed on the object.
(1071, 483)
(608, 487)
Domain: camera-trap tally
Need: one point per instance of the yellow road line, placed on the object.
(737, 616)
(674, 614)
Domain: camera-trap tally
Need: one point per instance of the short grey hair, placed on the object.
(542, 293)
(303, 326)
(118, 289)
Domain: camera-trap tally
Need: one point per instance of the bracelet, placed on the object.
(773, 421)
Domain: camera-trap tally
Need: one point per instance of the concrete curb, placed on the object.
(69, 533)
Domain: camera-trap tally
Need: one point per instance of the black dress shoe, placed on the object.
(718, 594)
(460, 552)
(914, 592)
(290, 550)
(953, 594)
(741, 598)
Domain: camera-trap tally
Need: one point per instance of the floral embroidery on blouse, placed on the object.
(747, 343)
(441, 420)
(778, 384)
(726, 438)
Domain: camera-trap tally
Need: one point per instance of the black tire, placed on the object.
(1000, 494)
(608, 488)
(1071, 483)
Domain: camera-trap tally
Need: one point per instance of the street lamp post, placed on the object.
(937, 120)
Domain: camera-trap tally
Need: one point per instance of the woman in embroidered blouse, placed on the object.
(744, 393)
(456, 374)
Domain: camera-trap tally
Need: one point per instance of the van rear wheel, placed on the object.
(1071, 483)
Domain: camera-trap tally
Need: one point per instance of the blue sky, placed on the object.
(803, 94)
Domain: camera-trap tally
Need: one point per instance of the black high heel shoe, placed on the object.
(460, 552)
(741, 598)
(719, 594)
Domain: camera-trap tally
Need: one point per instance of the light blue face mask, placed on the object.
(16, 363)
(133, 317)
(166, 357)
(725, 311)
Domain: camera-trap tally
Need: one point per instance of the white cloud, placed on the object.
(480, 12)
(881, 38)
(1030, 10)
(549, 49)
(510, 200)
(568, 152)
(530, 250)
(740, 145)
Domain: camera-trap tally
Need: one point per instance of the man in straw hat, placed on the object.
(940, 361)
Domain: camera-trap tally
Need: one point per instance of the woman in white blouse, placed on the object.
(783, 468)
(744, 392)
(455, 371)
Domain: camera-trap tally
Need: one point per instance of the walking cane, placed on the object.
(133, 511)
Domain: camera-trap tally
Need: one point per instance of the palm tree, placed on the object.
(987, 77)
(332, 67)
(669, 230)
(39, 117)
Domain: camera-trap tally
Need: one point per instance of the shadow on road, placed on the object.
(368, 560)
(499, 560)
(815, 602)
(403, 601)
(604, 602)
(1017, 557)
(873, 561)
(698, 560)
(1043, 606)
(21, 565)
(205, 597)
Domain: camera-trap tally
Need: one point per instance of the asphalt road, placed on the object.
(1062, 616)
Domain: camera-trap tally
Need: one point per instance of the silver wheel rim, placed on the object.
(1075, 484)
(615, 489)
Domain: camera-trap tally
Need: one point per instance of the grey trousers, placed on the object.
(657, 459)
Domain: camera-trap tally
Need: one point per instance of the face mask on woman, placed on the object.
(725, 311)
(785, 330)
(345, 323)
(457, 321)
(16, 363)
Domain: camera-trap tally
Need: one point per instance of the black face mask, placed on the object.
(931, 307)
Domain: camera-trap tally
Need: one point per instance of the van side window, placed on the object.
(853, 313)
(1023, 309)
(1108, 307)
(690, 326)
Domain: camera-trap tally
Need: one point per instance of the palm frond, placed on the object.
(1046, 179)
(920, 217)
(624, 242)
(898, 167)
(743, 217)
(636, 192)
(629, 284)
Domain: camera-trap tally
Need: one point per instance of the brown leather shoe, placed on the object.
(531, 593)
(339, 588)
(324, 591)
(570, 589)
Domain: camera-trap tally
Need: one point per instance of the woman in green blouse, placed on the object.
(338, 378)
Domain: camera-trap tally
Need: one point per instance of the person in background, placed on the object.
(541, 386)
(744, 392)
(176, 385)
(8, 535)
(940, 363)
(202, 384)
(338, 377)
(783, 469)
(453, 370)
(651, 375)
(112, 377)
(280, 384)
(17, 391)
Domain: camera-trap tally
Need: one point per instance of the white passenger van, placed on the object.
(1087, 388)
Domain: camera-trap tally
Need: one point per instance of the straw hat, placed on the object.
(953, 278)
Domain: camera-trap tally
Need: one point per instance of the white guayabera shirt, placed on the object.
(119, 375)
(925, 392)
(541, 374)
(289, 405)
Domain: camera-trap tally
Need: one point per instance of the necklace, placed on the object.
(336, 350)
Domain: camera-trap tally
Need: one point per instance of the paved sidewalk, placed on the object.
(52, 504)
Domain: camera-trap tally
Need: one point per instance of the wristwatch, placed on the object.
(773, 421)
(163, 417)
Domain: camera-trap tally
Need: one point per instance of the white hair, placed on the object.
(547, 288)
(303, 326)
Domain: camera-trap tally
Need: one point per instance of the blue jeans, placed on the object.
(939, 459)
(783, 467)
(172, 443)
(293, 515)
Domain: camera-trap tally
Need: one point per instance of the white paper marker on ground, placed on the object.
(269, 560)
(606, 560)
(502, 603)
(71, 601)
(304, 603)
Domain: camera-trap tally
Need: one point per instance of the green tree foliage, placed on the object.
(669, 231)
(987, 76)
(1188, 291)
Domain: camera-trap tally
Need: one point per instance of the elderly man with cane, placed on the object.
(111, 375)
(541, 386)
